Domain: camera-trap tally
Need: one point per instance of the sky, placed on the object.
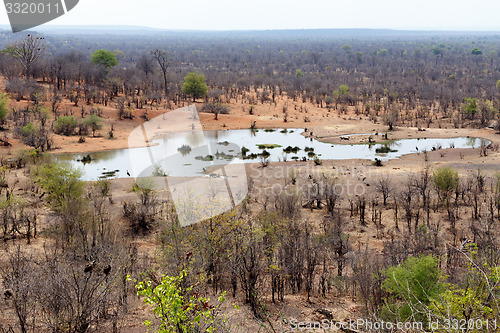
(281, 14)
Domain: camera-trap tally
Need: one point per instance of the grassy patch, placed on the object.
(267, 145)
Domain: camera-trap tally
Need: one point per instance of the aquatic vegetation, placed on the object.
(184, 149)
(267, 146)
(291, 149)
(207, 158)
(384, 150)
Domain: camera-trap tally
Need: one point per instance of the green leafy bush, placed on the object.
(411, 286)
(178, 309)
(65, 125)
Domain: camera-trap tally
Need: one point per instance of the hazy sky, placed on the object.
(281, 14)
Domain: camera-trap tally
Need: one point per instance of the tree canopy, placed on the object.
(178, 309)
(94, 122)
(104, 58)
(195, 85)
(446, 180)
(62, 182)
(476, 51)
(416, 282)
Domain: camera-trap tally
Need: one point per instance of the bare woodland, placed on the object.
(72, 249)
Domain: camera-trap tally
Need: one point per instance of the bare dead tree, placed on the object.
(311, 249)
(164, 62)
(385, 187)
(407, 201)
(18, 280)
(27, 51)
(422, 183)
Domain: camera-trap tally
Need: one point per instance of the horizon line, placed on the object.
(140, 27)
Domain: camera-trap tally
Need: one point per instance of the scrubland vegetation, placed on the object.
(108, 255)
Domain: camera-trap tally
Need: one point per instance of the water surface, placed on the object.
(204, 149)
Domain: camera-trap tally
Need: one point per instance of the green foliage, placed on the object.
(464, 303)
(347, 48)
(65, 125)
(8, 50)
(194, 85)
(4, 101)
(476, 51)
(471, 301)
(94, 122)
(343, 90)
(178, 309)
(382, 52)
(498, 84)
(61, 182)
(471, 105)
(415, 283)
(104, 58)
(29, 135)
(446, 180)
(43, 114)
(298, 73)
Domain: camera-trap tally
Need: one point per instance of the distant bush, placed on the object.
(94, 122)
(65, 125)
(215, 108)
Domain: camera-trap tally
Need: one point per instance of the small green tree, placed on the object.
(195, 85)
(412, 285)
(65, 125)
(347, 48)
(343, 89)
(180, 310)
(470, 106)
(94, 122)
(104, 58)
(30, 135)
(476, 51)
(446, 180)
(61, 182)
(298, 73)
(382, 52)
(4, 111)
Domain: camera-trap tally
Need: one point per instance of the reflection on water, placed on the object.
(213, 148)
